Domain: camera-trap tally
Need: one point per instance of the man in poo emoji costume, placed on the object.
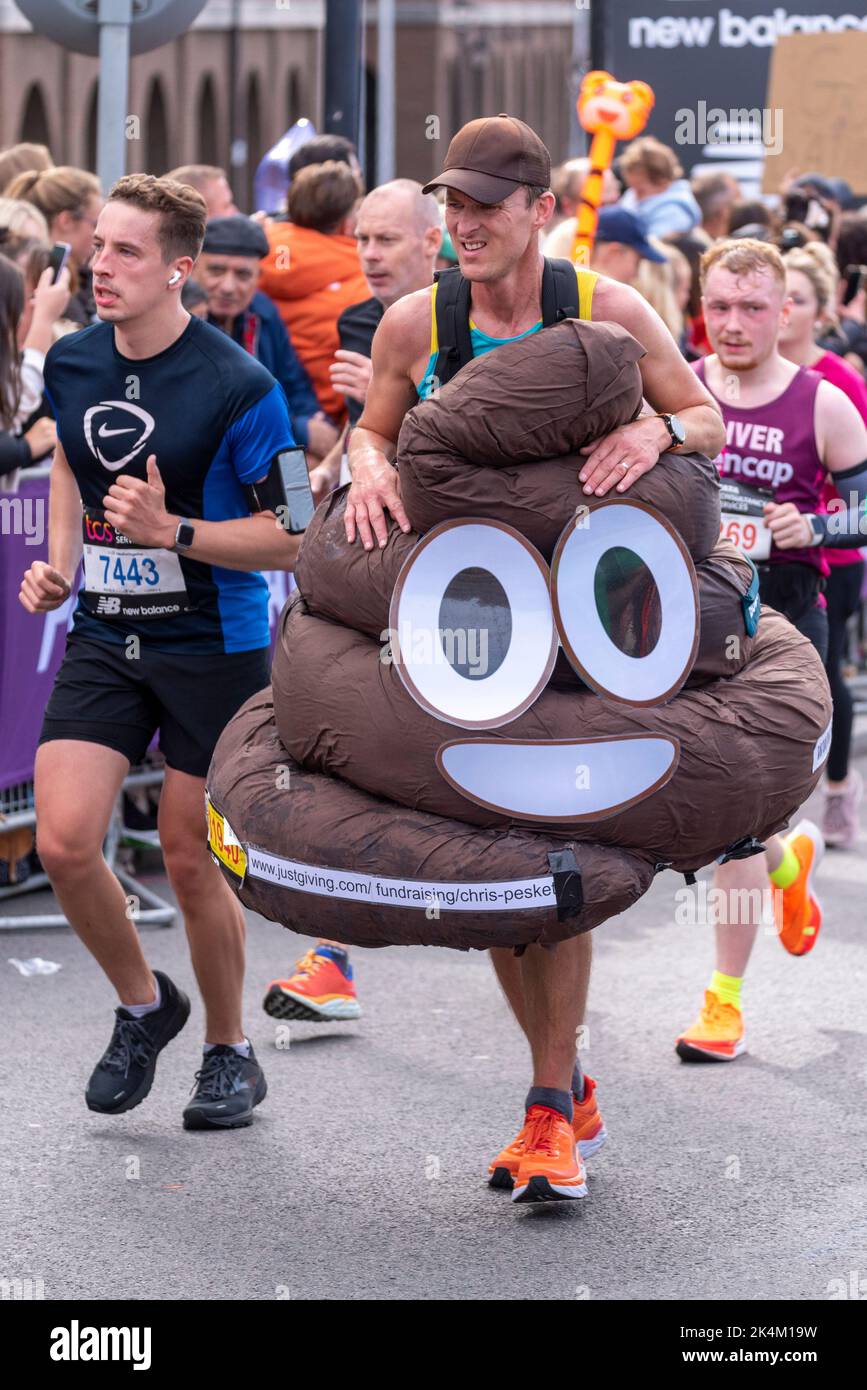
(522, 693)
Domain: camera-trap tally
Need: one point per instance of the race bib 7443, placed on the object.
(123, 580)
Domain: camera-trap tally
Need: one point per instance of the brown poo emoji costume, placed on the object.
(497, 729)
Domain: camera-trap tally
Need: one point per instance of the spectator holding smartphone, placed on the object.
(70, 201)
(26, 333)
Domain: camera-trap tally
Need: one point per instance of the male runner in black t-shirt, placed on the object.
(163, 425)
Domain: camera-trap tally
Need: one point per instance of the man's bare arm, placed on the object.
(64, 517)
(841, 433)
(670, 387)
(138, 510)
(46, 586)
(397, 344)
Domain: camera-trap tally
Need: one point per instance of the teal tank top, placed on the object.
(483, 342)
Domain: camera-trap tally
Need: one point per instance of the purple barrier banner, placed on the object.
(32, 646)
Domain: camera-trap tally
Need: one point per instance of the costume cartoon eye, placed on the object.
(625, 601)
(472, 630)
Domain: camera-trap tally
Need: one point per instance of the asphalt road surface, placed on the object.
(362, 1176)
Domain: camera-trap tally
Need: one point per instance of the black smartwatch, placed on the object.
(184, 536)
(675, 429)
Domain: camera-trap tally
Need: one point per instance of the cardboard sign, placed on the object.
(817, 81)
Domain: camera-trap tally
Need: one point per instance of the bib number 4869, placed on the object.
(749, 534)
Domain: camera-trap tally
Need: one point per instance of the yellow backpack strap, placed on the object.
(586, 285)
(434, 336)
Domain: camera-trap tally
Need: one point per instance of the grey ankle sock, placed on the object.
(140, 1010)
(577, 1081)
(555, 1100)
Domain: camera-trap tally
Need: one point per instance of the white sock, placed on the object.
(242, 1048)
(139, 1010)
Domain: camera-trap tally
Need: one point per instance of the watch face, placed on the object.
(676, 429)
(185, 535)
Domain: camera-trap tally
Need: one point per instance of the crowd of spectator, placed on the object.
(305, 292)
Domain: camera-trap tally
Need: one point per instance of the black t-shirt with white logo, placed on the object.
(214, 418)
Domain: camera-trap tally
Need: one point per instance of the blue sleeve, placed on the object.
(289, 370)
(256, 436)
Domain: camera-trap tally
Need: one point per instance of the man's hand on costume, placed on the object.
(375, 489)
(138, 509)
(622, 456)
(790, 529)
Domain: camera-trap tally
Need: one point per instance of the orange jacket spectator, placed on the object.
(312, 271)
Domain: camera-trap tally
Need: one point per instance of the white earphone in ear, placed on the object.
(174, 277)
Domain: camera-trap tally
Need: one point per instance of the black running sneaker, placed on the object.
(227, 1088)
(125, 1072)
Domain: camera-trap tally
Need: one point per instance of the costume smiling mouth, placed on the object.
(558, 779)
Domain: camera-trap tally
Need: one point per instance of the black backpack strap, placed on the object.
(453, 325)
(559, 301)
(559, 291)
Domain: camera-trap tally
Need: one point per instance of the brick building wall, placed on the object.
(454, 61)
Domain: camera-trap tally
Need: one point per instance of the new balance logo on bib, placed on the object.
(144, 581)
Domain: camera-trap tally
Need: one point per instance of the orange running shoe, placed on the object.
(716, 1036)
(587, 1127)
(802, 915)
(550, 1169)
(318, 991)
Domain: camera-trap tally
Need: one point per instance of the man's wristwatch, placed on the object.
(676, 430)
(184, 535)
(817, 529)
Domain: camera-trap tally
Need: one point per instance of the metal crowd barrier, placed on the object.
(17, 812)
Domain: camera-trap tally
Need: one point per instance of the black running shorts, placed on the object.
(793, 589)
(102, 696)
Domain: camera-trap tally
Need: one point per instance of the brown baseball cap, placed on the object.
(489, 158)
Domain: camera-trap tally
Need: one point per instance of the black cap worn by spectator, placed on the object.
(623, 226)
(489, 158)
(832, 189)
(234, 236)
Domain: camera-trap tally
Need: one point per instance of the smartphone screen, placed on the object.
(57, 258)
(296, 481)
